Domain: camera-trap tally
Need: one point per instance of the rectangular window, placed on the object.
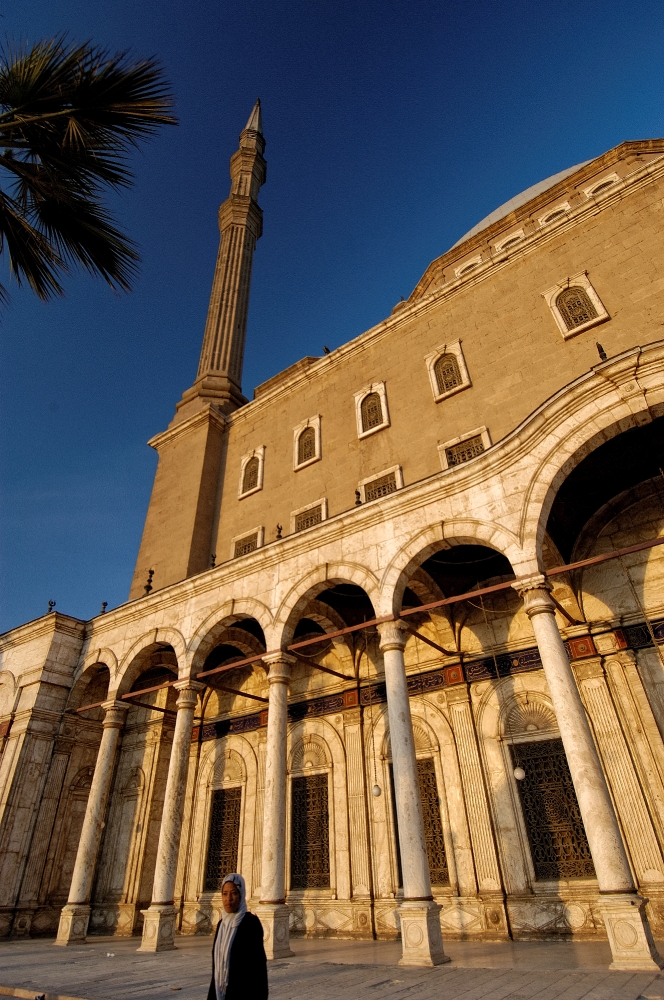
(310, 833)
(223, 838)
(558, 843)
(246, 545)
(380, 487)
(307, 518)
(433, 827)
(464, 451)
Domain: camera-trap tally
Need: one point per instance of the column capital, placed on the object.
(279, 666)
(534, 591)
(393, 635)
(188, 692)
(115, 713)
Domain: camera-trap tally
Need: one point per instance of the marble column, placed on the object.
(159, 918)
(622, 909)
(421, 937)
(75, 915)
(272, 909)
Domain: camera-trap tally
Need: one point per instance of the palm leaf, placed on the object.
(69, 116)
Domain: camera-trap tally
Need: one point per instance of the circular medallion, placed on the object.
(625, 933)
(414, 935)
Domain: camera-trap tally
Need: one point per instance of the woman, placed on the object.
(239, 966)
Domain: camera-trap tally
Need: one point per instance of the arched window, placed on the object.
(372, 411)
(250, 477)
(447, 373)
(575, 307)
(306, 445)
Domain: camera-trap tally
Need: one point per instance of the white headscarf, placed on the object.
(228, 925)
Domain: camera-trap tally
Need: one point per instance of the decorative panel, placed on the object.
(223, 838)
(558, 843)
(310, 833)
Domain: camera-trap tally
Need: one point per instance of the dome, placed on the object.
(518, 200)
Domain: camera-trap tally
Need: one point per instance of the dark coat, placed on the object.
(247, 966)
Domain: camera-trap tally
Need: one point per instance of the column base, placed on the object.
(73, 926)
(276, 929)
(421, 937)
(628, 930)
(158, 928)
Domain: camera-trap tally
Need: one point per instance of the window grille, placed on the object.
(306, 445)
(250, 477)
(447, 373)
(223, 837)
(380, 487)
(372, 411)
(464, 451)
(575, 307)
(308, 518)
(246, 545)
(310, 833)
(558, 843)
(433, 827)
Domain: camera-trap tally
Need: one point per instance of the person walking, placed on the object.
(239, 965)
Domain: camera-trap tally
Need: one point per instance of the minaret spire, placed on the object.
(219, 379)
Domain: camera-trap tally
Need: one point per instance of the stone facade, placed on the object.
(488, 768)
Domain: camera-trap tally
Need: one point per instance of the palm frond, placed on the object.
(69, 116)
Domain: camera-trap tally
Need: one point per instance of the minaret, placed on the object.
(177, 538)
(219, 379)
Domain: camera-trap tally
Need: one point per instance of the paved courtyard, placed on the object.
(111, 969)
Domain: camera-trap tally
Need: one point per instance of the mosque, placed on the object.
(393, 646)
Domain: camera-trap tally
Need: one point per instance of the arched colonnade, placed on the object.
(258, 638)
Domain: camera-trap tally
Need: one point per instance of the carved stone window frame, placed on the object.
(430, 361)
(258, 453)
(467, 266)
(310, 422)
(379, 389)
(580, 280)
(482, 432)
(260, 541)
(600, 182)
(363, 483)
(512, 238)
(322, 503)
(545, 220)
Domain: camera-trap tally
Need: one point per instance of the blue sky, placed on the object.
(391, 129)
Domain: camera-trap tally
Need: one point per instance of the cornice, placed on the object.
(49, 624)
(415, 307)
(207, 414)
